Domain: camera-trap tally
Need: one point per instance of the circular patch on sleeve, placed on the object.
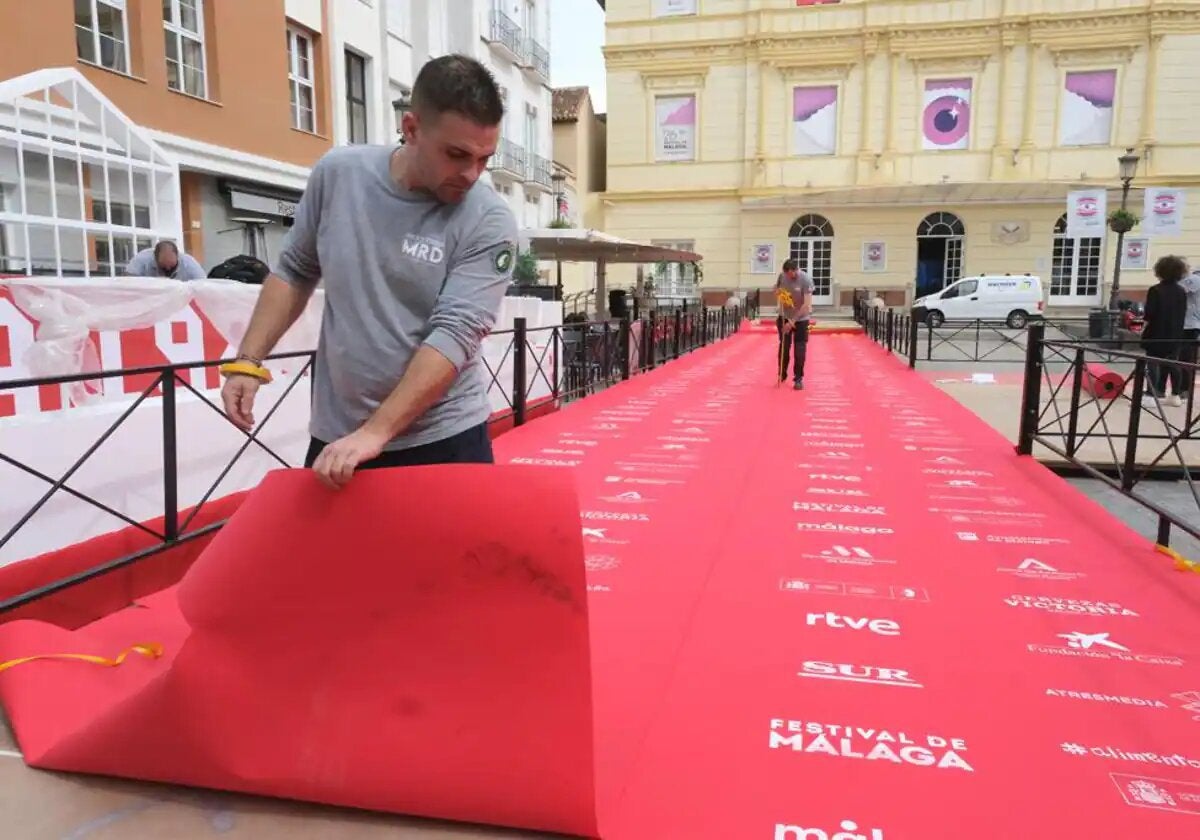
(503, 260)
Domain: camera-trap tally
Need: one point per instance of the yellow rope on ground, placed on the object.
(152, 650)
(1181, 563)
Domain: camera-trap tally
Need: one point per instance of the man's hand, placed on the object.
(238, 396)
(336, 464)
(788, 326)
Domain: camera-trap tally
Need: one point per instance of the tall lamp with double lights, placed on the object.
(558, 177)
(1122, 222)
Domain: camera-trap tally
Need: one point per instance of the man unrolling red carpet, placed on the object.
(793, 290)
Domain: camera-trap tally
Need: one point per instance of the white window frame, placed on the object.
(94, 29)
(176, 29)
(297, 81)
(532, 146)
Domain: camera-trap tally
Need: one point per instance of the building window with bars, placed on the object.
(183, 32)
(102, 33)
(356, 98)
(300, 80)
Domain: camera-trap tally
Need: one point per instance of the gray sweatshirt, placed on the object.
(400, 270)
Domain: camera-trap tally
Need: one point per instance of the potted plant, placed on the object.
(1122, 221)
(560, 223)
(525, 271)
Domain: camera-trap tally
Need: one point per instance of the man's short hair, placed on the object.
(165, 245)
(790, 265)
(458, 84)
(1170, 269)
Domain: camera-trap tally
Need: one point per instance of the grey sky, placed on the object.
(576, 36)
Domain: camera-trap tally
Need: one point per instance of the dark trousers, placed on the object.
(473, 446)
(799, 343)
(1159, 369)
(1188, 353)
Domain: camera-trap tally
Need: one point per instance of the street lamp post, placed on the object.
(558, 177)
(1121, 224)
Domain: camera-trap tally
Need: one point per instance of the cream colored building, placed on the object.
(891, 143)
(579, 160)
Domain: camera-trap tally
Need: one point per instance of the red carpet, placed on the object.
(822, 615)
(853, 610)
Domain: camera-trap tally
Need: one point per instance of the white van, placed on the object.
(1012, 298)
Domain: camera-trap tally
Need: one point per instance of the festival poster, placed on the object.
(814, 120)
(666, 8)
(1163, 214)
(675, 127)
(762, 258)
(946, 119)
(1087, 108)
(1135, 254)
(874, 256)
(1086, 213)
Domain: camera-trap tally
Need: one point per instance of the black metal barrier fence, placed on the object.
(978, 340)
(1142, 432)
(571, 361)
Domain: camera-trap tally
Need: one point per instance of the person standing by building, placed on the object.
(794, 290)
(1162, 336)
(1191, 331)
(416, 256)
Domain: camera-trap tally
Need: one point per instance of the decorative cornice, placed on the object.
(674, 79)
(1075, 56)
(952, 64)
(972, 40)
(816, 72)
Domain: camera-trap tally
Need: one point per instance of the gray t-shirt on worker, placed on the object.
(1191, 285)
(400, 270)
(797, 289)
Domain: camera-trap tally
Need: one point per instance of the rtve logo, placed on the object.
(878, 626)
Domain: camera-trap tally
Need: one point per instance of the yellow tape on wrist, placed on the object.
(247, 368)
(152, 650)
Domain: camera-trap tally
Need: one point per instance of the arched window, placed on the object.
(940, 240)
(810, 244)
(1076, 266)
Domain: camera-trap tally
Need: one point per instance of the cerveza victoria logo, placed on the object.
(841, 740)
(1068, 605)
(1101, 646)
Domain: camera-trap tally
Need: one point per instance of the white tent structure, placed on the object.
(82, 187)
(584, 245)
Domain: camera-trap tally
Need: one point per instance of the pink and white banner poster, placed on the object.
(874, 256)
(1087, 212)
(762, 258)
(814, 120)
(1135, 254)
(1163, 212)
(662, 8)
(946, 118)
(675, 127)
(1087, 108)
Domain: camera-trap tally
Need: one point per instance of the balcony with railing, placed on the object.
(509, 163)
(505, 36)
(538, 172)
(537, 60)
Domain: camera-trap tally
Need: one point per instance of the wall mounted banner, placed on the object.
(675, 127)
(1087, 108)
(664, 8)
(1087, 213)
(762, 258)
(946, 118)
(1163, 215)
(1136, 253)
(814, 120)
(874, 256)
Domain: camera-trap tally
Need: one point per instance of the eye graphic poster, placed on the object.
(946, 117)
(1163, 214)
(675, 127)
(1087, 108)
(1087, 211)
(814, 120)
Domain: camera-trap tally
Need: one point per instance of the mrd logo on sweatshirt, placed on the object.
(868, 744)
(424, 249)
